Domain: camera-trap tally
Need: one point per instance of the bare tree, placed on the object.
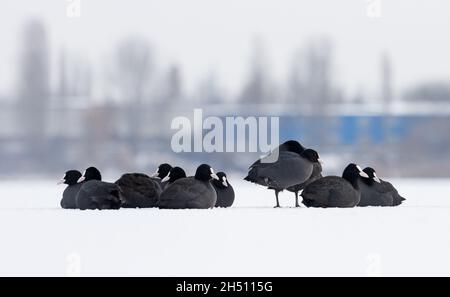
(319, 63)
(74, 77)
(209, 90)
(259, 87)
(131, 75)
(173, 85)
(386, 79)
(296, 89)
(132, 69)
(33, 85)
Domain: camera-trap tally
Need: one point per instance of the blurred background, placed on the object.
(99, 82)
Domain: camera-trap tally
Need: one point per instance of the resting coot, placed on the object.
(376, 192)
(334, 191)
(162, 171)
(95, 194)
(191, 192)
(70, 193)
(224, 191)
(139, 190)
(175, 174)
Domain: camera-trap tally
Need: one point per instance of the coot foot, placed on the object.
(278, 201)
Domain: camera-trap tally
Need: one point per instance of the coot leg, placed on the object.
(278, 201)
(296, 199)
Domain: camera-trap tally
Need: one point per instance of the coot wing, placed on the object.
(188, 193)
(101, 195)
(289, 170)
(139, 190)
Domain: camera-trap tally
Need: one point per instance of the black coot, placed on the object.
(95, 194)
(315, 175)
(334, 191)
(287, 166)
(139, 190)
(224, 191)
(70, 193)
(175, 174)
(162, 171)
(191, 192)
(376, 192)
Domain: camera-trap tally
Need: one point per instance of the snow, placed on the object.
(250, 239)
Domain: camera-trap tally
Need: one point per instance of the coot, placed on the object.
(290, 164)
(334, 191)
(70, 193)
(224, 191)
(191, 192)
(139, 190)
(95, 194)
(377, 192)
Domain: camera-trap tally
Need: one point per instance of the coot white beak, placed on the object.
(320, 161)
(375, 178)
(61, 182)
(213, 175)
(155, 174)
(166, 178)
(363, 174)
(82, 179)
(225, 183)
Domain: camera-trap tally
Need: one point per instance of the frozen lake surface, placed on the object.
(250, 239)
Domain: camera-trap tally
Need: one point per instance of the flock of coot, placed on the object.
(168, 188)
(290, 167)
(298, 169)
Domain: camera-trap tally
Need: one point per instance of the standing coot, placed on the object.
(95, 194)
(315, 175)
(334, 191)
(191, 192)
(376, 192)
(70, 193)
(139, 190)
(289, 165)
(224, 191)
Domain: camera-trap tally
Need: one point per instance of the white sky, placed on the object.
(203, 35)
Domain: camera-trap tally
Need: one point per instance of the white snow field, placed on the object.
(250, 239)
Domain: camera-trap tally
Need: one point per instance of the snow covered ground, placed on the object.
(251, 239)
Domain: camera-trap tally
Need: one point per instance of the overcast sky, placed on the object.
(205, 35)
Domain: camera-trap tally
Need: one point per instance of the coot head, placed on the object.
(372, 176)
(163, 171)
(352, 173)
(222, 182)
(91, 173)
(175, 174)
(205, 173)
(70, 178)
(311, 155)
(292, 146)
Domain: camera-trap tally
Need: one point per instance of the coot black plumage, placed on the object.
(334, 191)
(175, 174)
(315, 175)
(162, 171)
(287, 166)
(224, 191)
(191, 192)
(377, 192)
(70, 179)
(95, 194)
(139, 190)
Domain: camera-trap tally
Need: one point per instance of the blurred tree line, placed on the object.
(60, 124)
